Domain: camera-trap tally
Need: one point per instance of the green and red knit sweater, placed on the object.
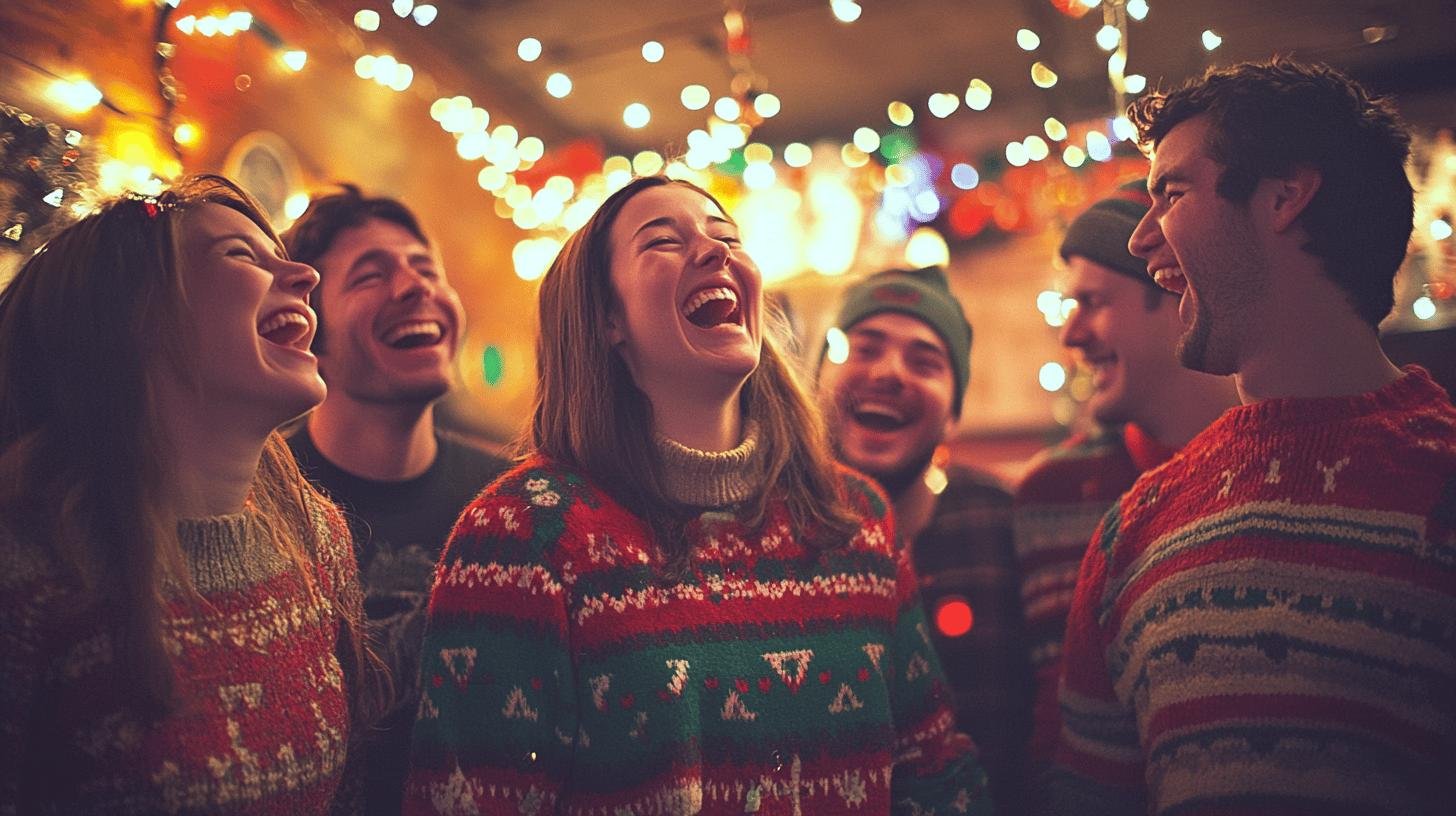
(1056, 508)
(1267, 623)
(260, 723)
(565, 672)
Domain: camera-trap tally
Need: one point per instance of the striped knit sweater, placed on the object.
(564, 671)
(1064, 494)
(1267, 623)
(261, 718)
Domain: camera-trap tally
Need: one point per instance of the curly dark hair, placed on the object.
(315, 231)
(1267, 119)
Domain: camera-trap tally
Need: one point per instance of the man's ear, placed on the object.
(1292, 195)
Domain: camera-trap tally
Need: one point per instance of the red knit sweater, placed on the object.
(261, 720)
(1057, 506)
(1267, 623)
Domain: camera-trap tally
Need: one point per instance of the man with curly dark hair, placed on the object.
(1264, 624)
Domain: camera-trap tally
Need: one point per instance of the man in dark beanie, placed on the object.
(1145, 406)
(892, 381)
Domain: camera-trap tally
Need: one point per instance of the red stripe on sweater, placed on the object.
(1272, 709)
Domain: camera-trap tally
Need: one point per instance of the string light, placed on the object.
(1052, 377)
(295, 60)
(727, 108)
(766, 105)
(1074, 156)
(1042, 76)
(529, 49)
(1137, 9)
(964, 176)
(1424, 307)
(845, 11)
(978, 95)
(942, 105)
(652, 51)
(695, 97)
(364, 20)
(836, 345)
(402, 8)
(900, 113)
(1055, 130)
(558, 85)
(798, 154)
(1108, 37)
(1027, 39)
(79, 95)
(1098, 147)
(636, 115)
(867, 139)
(424, 15)
(1211, 40)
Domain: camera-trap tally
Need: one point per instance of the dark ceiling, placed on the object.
(833, 77)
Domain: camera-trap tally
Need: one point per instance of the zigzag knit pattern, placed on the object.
(565, 672)
(1267, 624)
(1063, 496)
(261, 719)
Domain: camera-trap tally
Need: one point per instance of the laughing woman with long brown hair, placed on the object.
(677, 603)
(178, 608)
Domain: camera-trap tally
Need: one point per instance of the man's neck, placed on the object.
(1188, 406)
(914, 507)
(383, 442)
(1331, 358)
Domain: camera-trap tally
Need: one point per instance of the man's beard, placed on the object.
(897, 481)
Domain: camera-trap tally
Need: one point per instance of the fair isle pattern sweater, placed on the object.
(564, 672)
(261, 719)
(1267, 623)
(1056, 508)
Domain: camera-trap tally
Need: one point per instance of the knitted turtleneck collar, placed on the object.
(230, 552)
(712, 479)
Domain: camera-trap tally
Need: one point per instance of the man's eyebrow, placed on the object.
(375, 255)
(927, 346)
(1160, 184)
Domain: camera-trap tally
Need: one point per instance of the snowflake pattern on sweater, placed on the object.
(564, 672)
(1267, 623)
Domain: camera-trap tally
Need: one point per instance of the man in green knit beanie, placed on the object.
(892, 382)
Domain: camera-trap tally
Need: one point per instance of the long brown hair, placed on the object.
(589, 412)
(85, 327)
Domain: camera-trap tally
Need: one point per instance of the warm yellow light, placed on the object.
(943, 104)
(926, 247)
(652, 51)
(845, 11)
(900, 113)
(695, 97)
(647, 163)
(187, 134)
(366, 20)
(294, 205)
(1036, 147)
(294, 59)
(78, 95)
(853, 157)
(836, 345)
(867, 139)
(758, 152)
(531, 149)
(978, 95)
(766, 105)
(529, 49)
(1055, 130)
(1074, 156)
(1027, 39)
(798, 154)
(1042, 76)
